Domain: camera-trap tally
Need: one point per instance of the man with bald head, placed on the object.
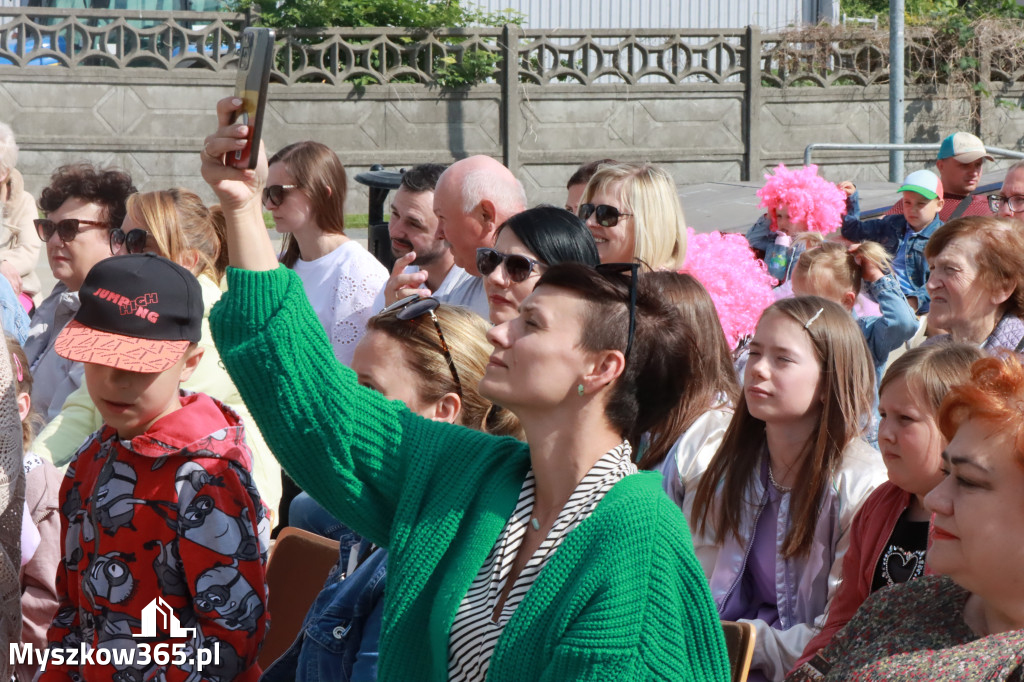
(1009, 203)
(473, 197)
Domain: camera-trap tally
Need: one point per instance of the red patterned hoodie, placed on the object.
(171, 516)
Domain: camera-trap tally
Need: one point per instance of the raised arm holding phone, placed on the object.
(620, 594)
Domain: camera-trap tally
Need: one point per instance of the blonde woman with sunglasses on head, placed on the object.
(305, 193)
(177, 225)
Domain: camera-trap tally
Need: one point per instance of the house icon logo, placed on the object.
(159, 614)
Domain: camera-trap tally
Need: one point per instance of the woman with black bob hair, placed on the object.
(549, 559)
(526, 245)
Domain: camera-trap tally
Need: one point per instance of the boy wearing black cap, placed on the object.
(164, 533)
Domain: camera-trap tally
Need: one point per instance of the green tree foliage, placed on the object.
(426, 14)
(930, 11)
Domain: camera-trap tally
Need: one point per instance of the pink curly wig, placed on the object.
(810, 198)
(737, 281)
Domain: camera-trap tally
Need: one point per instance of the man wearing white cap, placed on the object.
(903, 236)
(959, 163)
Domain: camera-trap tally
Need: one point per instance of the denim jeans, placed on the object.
(341, 632)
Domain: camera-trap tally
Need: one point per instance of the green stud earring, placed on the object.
(579, 389)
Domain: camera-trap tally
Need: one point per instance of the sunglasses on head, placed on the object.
(605, 215)
(66, 229)
(518, 267)
(274, 194)
(633, 269)
(411, 307)
(134, 241)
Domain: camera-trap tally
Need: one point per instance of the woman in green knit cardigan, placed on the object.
(621, 598)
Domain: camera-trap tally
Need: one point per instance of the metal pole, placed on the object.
(896, 91)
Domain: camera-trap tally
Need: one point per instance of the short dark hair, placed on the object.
(659, 367)
(586, 171)
(108, 187)
(422, 178)
(554, 235)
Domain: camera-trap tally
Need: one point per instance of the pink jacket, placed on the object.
(872, 527)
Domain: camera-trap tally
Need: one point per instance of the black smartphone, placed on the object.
(254, 63)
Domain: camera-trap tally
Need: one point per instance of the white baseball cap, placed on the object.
(963, 147)
(924, 182)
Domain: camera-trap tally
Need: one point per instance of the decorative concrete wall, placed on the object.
(138, 91)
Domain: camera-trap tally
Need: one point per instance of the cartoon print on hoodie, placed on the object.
(172, 513)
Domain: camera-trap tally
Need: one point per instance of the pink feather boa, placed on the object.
(738, 282)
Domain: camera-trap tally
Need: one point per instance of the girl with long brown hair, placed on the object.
(684, 443)
(305, 193)
(771, 512)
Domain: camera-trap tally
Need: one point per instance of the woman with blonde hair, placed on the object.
(177, 225)
(634, 213)
(399, 357)
(431, 357)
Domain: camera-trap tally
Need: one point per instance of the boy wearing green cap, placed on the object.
(903, 236)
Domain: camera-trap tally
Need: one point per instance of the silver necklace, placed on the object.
(775, 484)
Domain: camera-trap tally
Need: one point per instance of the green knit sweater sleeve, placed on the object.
(347, 446)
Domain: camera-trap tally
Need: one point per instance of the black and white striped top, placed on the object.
(474, 634)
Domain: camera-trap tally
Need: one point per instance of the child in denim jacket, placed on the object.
(903, 236)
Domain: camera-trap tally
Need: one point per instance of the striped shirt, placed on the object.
(474, 633)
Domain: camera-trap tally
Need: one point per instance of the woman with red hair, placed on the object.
(968, 622)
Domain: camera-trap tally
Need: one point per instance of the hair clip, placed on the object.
(17, 363)
(816, 316)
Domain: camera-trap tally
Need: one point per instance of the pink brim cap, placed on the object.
(85, 344)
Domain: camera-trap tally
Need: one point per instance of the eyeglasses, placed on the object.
(134, 241)
(633, 269)
(518, 267)
(66, 229)
(996, 201)
(411, 307)
(274, 194)
(607, 216)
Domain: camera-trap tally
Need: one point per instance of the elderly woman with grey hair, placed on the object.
(19, 247)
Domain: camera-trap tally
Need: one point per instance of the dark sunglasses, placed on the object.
(134, 241)
(606, 216)
(633, 269)
(66, 229)
(274, 194)
(411, 307)
(518, 267)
